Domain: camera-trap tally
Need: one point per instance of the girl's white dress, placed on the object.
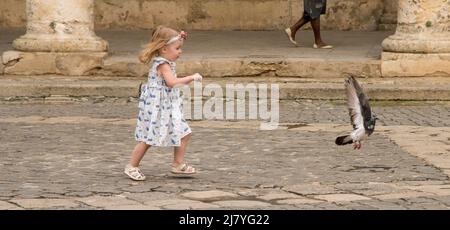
(160, 121)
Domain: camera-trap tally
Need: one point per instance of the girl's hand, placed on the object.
(197, 77)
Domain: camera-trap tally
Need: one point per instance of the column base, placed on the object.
(415, 43)
(38, 63)
(415, 65)
(46, 43)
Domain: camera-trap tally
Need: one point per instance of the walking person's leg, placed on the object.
(178, 164)
(138, 153)
(292, 31)
(318, 42)
(132, 169)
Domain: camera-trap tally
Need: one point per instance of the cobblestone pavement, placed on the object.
(71, 156)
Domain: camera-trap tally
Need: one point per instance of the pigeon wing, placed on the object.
(366, 111)
(354, 109)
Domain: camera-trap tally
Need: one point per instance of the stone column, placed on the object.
(388, 20)
(60, 26)
(421, 43)
(60, 39)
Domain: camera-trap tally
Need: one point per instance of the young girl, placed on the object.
(160, 121)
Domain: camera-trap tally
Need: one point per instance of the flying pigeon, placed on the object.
(361, 116)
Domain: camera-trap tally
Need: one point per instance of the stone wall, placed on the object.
(12, 14)
(213, 14)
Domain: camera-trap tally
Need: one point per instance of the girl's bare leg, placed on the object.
(138, 153)
(180, 151)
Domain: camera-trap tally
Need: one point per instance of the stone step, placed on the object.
(432, 88)
(18, 63)
(261, 66)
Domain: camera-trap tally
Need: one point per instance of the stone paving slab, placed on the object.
(441, 190)
(310, 189)
(241, 204)
(371, 188)
(403, 195)
(8, 206)
(45, 203)
(278, 195)
(341, 197)
(180, 204)
(190, 205)
(209, 195)
(381, 204)
(132, 207)
(107, 201)
(297, 201)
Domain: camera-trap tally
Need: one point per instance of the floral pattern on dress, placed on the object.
(160, 121)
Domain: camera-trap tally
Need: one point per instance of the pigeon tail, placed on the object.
(344, 140)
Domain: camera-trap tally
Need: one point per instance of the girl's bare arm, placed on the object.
(172, 80)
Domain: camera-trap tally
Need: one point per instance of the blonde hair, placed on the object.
(160, 36)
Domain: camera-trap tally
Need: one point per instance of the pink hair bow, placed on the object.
(183, 35)
(180, 37)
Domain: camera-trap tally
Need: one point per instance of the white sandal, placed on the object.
(183, 168)
(289, 34)
(315, 46)
(134, 173)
